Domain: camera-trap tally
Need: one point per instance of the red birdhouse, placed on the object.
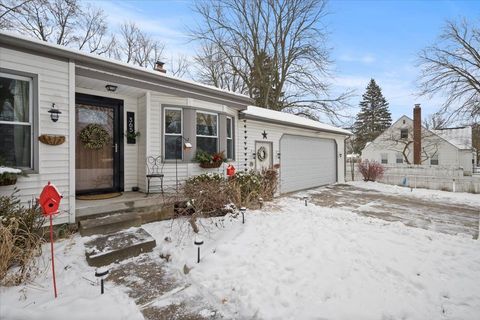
(230, 170)
(50, 199)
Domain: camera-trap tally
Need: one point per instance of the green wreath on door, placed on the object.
(262, 153)
(94, 136)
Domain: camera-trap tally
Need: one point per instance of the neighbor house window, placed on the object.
(16, 129)
(384, 158)
(399, 157)
(403, 133)
(434, 160)
(207, 132)
(173, 133)
(230, 154)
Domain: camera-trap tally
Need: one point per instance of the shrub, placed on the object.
(212, 195)
(21, 237)
(371, 171)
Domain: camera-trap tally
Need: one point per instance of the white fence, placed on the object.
(429, 177)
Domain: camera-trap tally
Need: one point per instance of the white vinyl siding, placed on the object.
(52, 84)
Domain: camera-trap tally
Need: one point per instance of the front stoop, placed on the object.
(104, 250)
(109, 224)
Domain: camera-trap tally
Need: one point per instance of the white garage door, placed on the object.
(306, 162)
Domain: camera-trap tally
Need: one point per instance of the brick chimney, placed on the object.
(159, 67)
(417, 134)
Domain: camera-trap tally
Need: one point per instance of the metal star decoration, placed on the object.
(264, 134)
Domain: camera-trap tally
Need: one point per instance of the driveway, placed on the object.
(450, 218)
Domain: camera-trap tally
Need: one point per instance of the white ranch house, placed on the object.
(38, 77)
(449, 148)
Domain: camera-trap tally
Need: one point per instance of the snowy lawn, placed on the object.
(78, 291)
(289, 261)
(297, 262)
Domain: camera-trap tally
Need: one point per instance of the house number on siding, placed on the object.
(131, 128)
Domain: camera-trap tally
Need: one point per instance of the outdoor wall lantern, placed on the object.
(340, 155)
(54, 113)
(111, 87)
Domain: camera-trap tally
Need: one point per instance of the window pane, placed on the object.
(15, 145)
(207, 144)
(206, 124)
(173, 121)
(229, 148)
(173, 145)
(14, 100)
(229, 128)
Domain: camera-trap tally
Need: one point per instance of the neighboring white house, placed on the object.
(448, 147)
(37, 78)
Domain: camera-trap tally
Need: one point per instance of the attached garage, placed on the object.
(306, 162)
(307, 153)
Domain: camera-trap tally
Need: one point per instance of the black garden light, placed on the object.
(243, 210)
(54, 113)
(306, 201)
(198, 242)
(101, 273)
(260, 200)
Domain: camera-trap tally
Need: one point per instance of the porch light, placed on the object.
(54, 113)
(111, 87)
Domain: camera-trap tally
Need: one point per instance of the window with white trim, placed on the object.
(399, 157)
(434, 160)
(16, 129)
(384, 158)
(172, 123)
(207, 132)
(230, 153)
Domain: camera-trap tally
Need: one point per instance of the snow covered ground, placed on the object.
(78, 291)
(288, 261)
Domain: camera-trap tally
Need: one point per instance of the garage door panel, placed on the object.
(306, 162)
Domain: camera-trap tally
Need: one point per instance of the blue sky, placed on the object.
(369, 39)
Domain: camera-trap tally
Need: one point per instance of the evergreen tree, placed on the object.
(373, 118)
(262, 82)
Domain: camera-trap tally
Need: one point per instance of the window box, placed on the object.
(209, 165)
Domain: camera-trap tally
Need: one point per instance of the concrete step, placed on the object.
(104, 250)
(110, 223)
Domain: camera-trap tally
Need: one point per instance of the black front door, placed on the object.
(98, 145)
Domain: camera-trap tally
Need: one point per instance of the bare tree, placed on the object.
(213, 68)
(451, 68)
(179, 66)
(392, 140)
(9, 7)
(286, 34)
(435, 121)
(63, 22)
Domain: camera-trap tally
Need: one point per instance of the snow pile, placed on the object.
(426, 194)
(9, 170)
(78, 291)
(297, 262)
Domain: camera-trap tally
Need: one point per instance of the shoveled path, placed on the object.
(158, 291)
(450, 218)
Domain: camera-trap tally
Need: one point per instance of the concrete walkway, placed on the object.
(159, 291)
